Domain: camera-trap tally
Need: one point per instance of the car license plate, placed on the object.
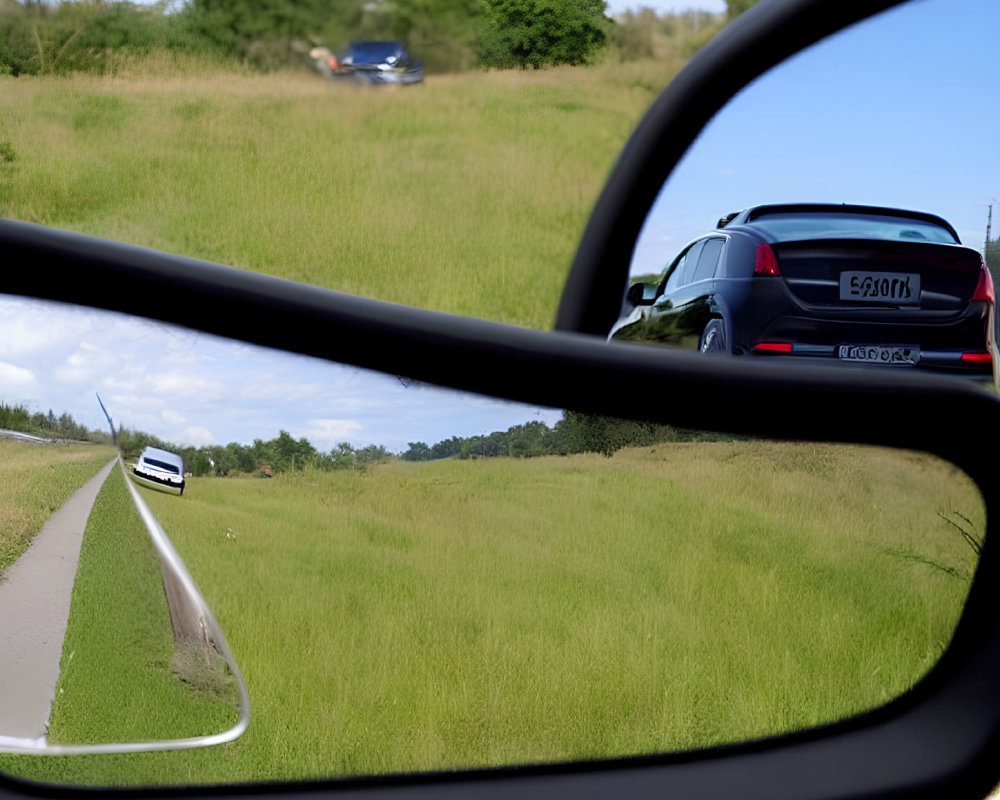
(880, 287)
(880, 354)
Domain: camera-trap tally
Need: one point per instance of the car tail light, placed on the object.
(772, 347)
(984, 289)
(977, 358)
(766, 265)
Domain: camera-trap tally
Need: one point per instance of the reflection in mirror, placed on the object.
(106, 644)
(416, 578)
(837, 209)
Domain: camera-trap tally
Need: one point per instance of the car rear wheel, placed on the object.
(713, 338)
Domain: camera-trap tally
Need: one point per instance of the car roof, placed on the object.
(748, 215)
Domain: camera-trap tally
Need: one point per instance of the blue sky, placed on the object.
(896, 111)
(193, 388)
(667, 6)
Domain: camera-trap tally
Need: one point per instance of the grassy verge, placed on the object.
(120, 679)
(467, 194)
(35, 480)
(451, 614)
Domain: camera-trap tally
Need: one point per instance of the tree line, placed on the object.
(17, 417)
(283, 453)
(575, 432)
(446, 35)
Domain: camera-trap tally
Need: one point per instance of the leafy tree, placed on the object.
(418, 451)
(443, 34)
(534, 33)
(285, 453)
(231, 22)
(15, 418)
(593, 433)
(199, 464)
(372, 454)
(634, 34)
(736, 7)
(343, 456)
(447, 448)
(530, 439)
(39, 38)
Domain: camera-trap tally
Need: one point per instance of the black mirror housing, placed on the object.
(641, 294)
(938, 740)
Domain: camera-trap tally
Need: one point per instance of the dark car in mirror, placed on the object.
(839, 283)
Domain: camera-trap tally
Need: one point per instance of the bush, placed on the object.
(85, 37)
(673, 37)
(535, 33)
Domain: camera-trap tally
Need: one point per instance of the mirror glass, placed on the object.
(106, 643)
(829, 155)
(414, 578)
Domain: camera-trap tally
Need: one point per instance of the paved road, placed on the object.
(34, 608)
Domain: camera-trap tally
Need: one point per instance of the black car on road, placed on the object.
(849, 283)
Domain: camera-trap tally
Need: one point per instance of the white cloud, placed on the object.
(172, 417)
(15, 380)
(268, 387)
(194, 437)
(325, 433)
(181, 385)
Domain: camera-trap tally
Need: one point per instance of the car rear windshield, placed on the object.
(790, 227)
(162, 465)
(373, 52)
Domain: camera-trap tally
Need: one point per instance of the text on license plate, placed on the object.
(879, 354)
(880, 287)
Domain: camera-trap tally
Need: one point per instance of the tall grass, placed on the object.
(467, 194)
(35, 480)
(455, 614)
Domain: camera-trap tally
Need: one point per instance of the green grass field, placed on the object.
(455, 614)
(466, 194)
(35, 480)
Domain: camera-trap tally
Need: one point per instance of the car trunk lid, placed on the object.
(905, 277)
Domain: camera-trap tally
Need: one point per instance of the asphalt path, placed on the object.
(35, 596)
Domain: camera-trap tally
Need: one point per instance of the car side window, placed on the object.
(672, 274)
(708, 260)
(681, 273)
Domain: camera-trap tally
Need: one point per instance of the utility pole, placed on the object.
(989, 223)
(114, 436)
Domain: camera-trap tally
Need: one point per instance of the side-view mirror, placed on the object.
(495, 469)
(641, 294)
(751, 518)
